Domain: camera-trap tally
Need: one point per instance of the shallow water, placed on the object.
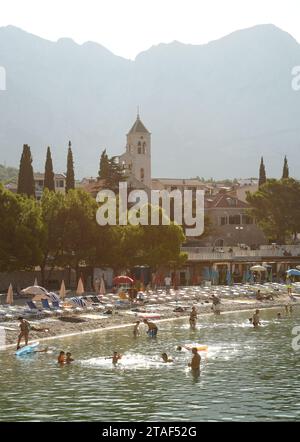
(248, 374)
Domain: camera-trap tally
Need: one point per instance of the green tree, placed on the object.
(285, 171)
(52, 211)
(25, 180)
(70, 178)
(21, 232)
(262, 173)
(276, 208)
(49, 174)
(8, 174)
(104, 168)
(115, 175)
(79, 230)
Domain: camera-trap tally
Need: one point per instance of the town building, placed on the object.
(39, 179)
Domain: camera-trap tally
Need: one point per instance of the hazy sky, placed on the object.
(127, 27)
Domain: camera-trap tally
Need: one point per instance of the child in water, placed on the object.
(116, 357)
(69, 358)
(61, 358)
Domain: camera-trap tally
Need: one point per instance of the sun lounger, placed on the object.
(33, 309)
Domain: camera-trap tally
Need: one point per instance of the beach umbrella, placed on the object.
(10, 295)
(122, 279)
(62, 291)
(34, 290)
(293, 272)
(258, 268)
(102, 287)
(80, 288)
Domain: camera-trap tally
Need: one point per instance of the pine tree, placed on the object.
(262, 173)
(285, 172)
(70, 178)
(49, 175)
(104, 166)
(25, 180)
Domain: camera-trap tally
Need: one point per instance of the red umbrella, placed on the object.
(123, 280)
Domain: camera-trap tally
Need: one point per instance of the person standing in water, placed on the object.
(256, 319)
(152, 328)
(196, 360)
(136, 329)
(193, 318)
(24, 331)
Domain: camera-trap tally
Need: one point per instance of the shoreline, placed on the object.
(233, 307)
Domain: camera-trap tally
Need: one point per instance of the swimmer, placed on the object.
(256, 319)
(61, 358)
(165, 358)
(44, 350)
(291, 309)
(279, 316)
(250, 320)
(69, 358)
(196, 360)
(179, 348)
(136, 329)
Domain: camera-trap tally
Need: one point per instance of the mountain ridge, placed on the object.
(231, 97)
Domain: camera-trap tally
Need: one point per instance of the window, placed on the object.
(60, 183)
(223, 220)
(144, 147)
(139, 147)
(142, 174)
(234, 219)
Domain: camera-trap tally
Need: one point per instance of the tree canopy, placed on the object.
(276, 207)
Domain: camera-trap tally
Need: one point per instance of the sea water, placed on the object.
(246, 374)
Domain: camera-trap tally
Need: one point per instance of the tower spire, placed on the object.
(138, 112)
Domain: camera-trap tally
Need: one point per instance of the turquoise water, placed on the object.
(248, 375)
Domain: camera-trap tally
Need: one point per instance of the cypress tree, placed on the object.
(104, 166)
(262, 173)
(25, 180)
(49, 175)
(285, 172)
(70, 178)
